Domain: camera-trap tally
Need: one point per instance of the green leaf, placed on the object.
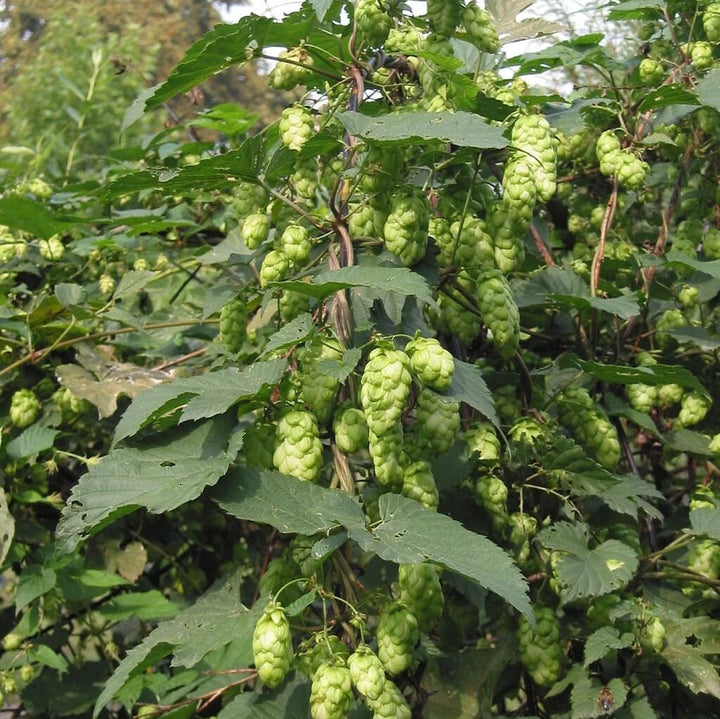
(7, 527)
(585, 572)
(638, 709)
(70, 294)
(602, 641)
(699, 336)
(635, 9)
(585, 696)
(398, 280)
(286, 503)
(469, 386)
(71, 694)
(45, 655)
(290, 334)
(216, 619)
(626, 496)
(33, 440)
(34, 581)
(654, 375)
(146, 606)
(685, 440)
(30, 216)
(666, 96)
(321, 7)
(214, 393)
(676, 259)
(460, 128)
(210, 173)
(708, 89)
(510, 28)
(410, 533)
(289, 701)
(705, 521)
(159, 476)
(692, 669)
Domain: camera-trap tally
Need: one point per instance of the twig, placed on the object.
(542, 247)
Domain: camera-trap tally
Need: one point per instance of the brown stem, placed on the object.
(542, 247)
(604, 229)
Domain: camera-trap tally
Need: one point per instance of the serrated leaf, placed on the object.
(410, 533)
(617, 408)
(286, 503)
(685, 440)
(585, 572)
(33, 440)
(505, 16)
(626, 496)
(45, 655)
(708, 89)
(203, 396)
(22, 213)
(676, 259)
(300, 605)
(699, 336)
(638, 709)
(289, 701)
(666, 96)
(158, 476)
(654, 375)
(321, 7)
(705, 521)
(34, 581)
(398, 280)
(7, 527)
(290, 334)
(635, 9)
(146, 606)
(464, 129)
(469, 386)
(602, 641)
(692, 669)
(216, 619)
(586, 696)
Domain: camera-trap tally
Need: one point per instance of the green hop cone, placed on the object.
(233, 324)
(508, 243)
(439, 230)
(52, 249)
(703, 559)
(296, 244)
(540, 649)
(367, 672)
(715, 444)
(24, 408)
(272, 645)
(522, 528)
(422, 593)
(652, 636)
(480, 27)
(406, 228)
(482, 440)
(274, 268)
(384, 388)
(491, 493)
(259, 445)
(331, 692)
(642, 397)
(702, 55)
(670, 394)
(106, 284)
(669, 320)
(287, 75)
(318, 387)
(255, 229)
(391, 704)
(533, 140)
(298, 450)
(499, 312)
(711, 22)
(437, 423)
(630, 170)
(519, 191)
(386, 453)
(693, 409)
(474, 248)
(397, 635)
(711, 244)
(443, 16)
(296, 126)
(650, 72)
(305, 178)
(431, 363)
(319, 649)
(607, 142)
(291, 304)
(350, 429)
(419, 484)
(373, 22)
(248, 198)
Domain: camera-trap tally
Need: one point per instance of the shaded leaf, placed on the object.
(602, 641)
(685, 440)
(699, 336)
(7, 527)
(635, 9)
(666, 96)
(203, 396)
(692, 669)
(676, 259)
(33, 440)
(706, 521)
(626, 496)
(71, 694)
(469, 386)
(146, 606)
(708, 89)
(408, 533)
(34, 581)
(45, 655)
(585, 572)
(216, 619)
(159, 477)
(290, 334)
(289, 701)
(460, 128)
(289, 504)
(22, 213)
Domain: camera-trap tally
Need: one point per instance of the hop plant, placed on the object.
(437, 423)
(259, 445)
(702, 55)
(431, 363)
(668, 320)
(482, 440)
(298, 450)
(391, 704)
(386, 453)
(607, 143)
(406, 228)
(474, 248)
(480, 27)
(52, 249)
(350, 430)
(248, 198)
(384, 388)
(492, 493)
(444, 16)
(650, 71)
(499, 311)
(421, 592)
(508, 245)
(711, 244)
(711, 22)
(274, 268)
(318, 387)
(255, 229)
(292, 69)
(367, 672)
(629, 169)
(642, 397)
(331, 692)
(694, 407)
(296, 244)
(272, 645)
(397, 635)
(534, 143)
(419, 484)
(106, 284)
(540, 650)
(519, 191)
(233, 324)
(373, 22)
(24, 408)
(321, 648)
(296, 126)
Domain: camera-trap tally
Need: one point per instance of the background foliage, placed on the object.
(417, 359)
